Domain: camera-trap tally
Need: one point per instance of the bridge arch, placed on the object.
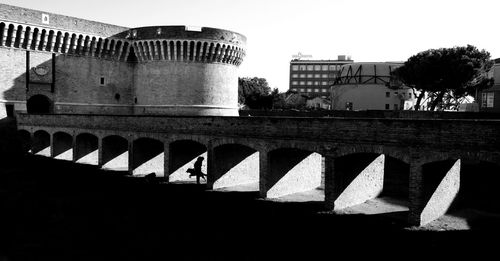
(41, 143)
(478, 188)
(361, 176)
(439, 187)
(62, 146)
(234, 164)
(115, 154)
(183, 153)
(39, 104)
(24, 137)
(291, 170)
(147, 156)
(86, 148)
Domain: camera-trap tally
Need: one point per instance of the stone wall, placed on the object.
(34, 17)
(479, 136)
(187, 84)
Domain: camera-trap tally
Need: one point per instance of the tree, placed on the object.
(255, 93)
(446, 75)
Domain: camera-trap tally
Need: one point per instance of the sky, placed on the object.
(366, 30)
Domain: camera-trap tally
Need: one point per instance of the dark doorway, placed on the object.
(38, 104)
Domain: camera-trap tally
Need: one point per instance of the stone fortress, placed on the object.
(58, 64)
(149, 100)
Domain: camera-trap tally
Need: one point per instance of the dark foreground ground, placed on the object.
(54, 210)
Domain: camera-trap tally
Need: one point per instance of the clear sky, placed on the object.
(367, 30)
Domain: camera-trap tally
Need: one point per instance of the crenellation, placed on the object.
(13, 34)
(167, 60)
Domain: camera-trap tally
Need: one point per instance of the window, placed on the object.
(302, 90)
(310, 67)
(295, 76)
(491, 100)
(316, 83)
(325, 90)
(348, 106)
(302, 68)
(309, 76)
(295, 67)
(317, 76)
(317, 67)
(324, 75)
(295, 82)
(324, 67)
(316, 90)
(387, 94)
(294, 89)
(332, 67)
(387, 106)
(9, 108)
(302, 76)
(395, 107)
(102, 81)
(45, 19)
(309, 83)
(302, 83)
(309, 90)
(488, 99)
(324, 83)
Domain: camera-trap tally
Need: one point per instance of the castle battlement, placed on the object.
(93, 67)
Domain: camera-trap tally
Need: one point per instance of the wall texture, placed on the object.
(34, 17)
(101, 68)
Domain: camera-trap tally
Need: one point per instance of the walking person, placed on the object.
(197, 169)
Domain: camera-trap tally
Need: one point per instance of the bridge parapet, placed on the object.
(284, 155)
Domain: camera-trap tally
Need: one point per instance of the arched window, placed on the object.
(39, 104)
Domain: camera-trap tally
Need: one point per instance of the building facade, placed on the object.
(314, 77)
(52, 63)
(489, 99)
(369, 86)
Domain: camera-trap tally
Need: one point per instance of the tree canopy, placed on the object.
(446, 74)
(255, 93)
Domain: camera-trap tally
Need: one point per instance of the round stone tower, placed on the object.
(186, 71)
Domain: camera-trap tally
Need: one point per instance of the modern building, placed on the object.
(489, 99)
(314, 77)
(52, 63)
(370, 86)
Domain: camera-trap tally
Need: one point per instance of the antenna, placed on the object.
(300, 55)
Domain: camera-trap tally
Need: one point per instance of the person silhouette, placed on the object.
(197, 169)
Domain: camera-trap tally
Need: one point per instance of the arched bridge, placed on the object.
(362, 158)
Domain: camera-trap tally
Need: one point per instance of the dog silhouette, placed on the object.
(193, 173)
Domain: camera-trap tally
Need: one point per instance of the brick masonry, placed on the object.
(101, 68)
(415, 142)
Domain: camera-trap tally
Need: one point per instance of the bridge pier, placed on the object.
(86, 148)
(182, 156)
(433, 189)
(62, 146)
(114, 153)
(41, 143)
(147, 157)
(344, 189)
(290, 171)
(232, 165)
